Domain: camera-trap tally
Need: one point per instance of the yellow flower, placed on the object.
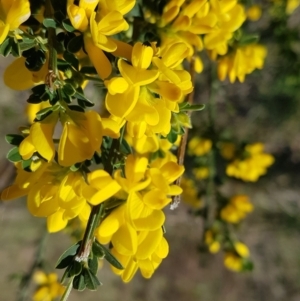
(244, 60)
(213, 245)
(48, 287)
(100, 188)
(291, 6)
(201, 173)
(12, 14)
(237, 209)
(81, 137)
(253, 166)
(233, 262)
(18, 77)
(199, 147)
(254, 12)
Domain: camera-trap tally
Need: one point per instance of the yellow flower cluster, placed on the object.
(215, 20)
(242, 61)
(237, 209)
(210, 240)
(234, 260)
(253, 166)
(135, 228)
(199, 147)
(48, 287)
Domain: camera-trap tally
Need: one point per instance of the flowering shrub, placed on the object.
(114, 169)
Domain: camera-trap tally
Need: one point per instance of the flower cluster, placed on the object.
(48, 287)
(252, 166)
(237, 209)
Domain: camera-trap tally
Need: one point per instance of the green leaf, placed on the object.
(75, 269)
(172, 136)
(5, 47)
(79, 283)
(26, 165)
(67, 25)
(15, 48)
(42, 114)
(125, 147)
(188, 107)
(70, 57)
(34, 98)
(14, 139)
(66, 258)
(93, 264)
(90, 280)
(49, 23)
(75, 167)
(248, 39)
(39, 90)
(27, 45)
(86, 101)
(98, 250)
(75, 44)
(247, 265)
(109, 257)
(69, 89)
(13, 155)
(88, 70)
(76, 108)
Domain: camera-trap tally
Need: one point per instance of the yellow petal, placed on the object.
(136, 76)
(125, 240)
(56, 222)
(142, 55)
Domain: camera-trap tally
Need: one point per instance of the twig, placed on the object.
(182, 147)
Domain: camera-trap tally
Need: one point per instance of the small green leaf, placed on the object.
(98, 250)
(75, 269)
(90, 280)
(125, 147)
(27, 45)
(69, 89)
(189, 107)
(248, 39)
(5, 47)
(67, 25)
(66, 258)
(86, 101)
(39, 90)
(49, 23)
(88, 70)
(26, 165)
(34, 98)
(75, 167)
(14, 139)
(42, 114)
(172, 136)
(109, 257)
(79, 283)
(76, 108)
(93, 264)
(247, 265)
(70, 58)
(13, 155)
(15, 48)
(75, 44)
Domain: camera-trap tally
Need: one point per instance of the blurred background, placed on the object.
(264, 108)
